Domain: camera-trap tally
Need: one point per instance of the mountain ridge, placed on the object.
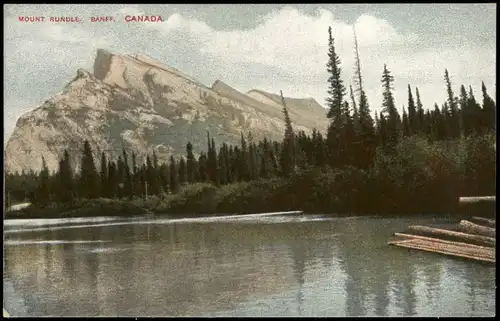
(143, 105)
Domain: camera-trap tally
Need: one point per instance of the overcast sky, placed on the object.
(269, 47)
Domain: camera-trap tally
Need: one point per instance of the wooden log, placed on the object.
(476, 199)
(432, 239)
(473, 228)
(485, 255)
(452, 235)
(484, 221)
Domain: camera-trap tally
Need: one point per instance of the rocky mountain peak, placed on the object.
(102, 63)
(138, 103)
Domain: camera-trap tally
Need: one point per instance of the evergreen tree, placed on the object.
(222, 166)
(287, 157)
(149, 177)
(445, 123)
(412, 113)
(136, 184)
(231, 164)
(113, 179)
(66, 175)
(348, 136)
(420, 113)
(440, 121)
(355, 114)
(211, 165)
(243, 161)
(336, 89)
(89, 179)
(334, 100)
(155, 161)
(42, 193)
(202, 167)
(252, 158)
(320, 157)
(174, 176)
(489, 110)
(475, 113)
(182, 171)
(265, 168)
(383, 135)
(120, 177)
(236, 165)
(465, 112)
(367, 138)
(143, 180)
(363, 100)
(104, 175)
(164, 179)
(127, 177)
(406, 123)
(212, 160)
(389, 107)
(430, 126)
(190, 163)
(451, 115)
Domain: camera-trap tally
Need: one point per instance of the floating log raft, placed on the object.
(469, 227)
(471, 240)
(452, 235)
(483, 221)
(478, 253)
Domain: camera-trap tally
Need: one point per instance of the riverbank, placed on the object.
(80, 208)
(353, 193)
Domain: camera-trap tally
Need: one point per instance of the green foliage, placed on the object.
(336, 88)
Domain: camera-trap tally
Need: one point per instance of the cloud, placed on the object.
(287, 39)
(133, 10)
(295, 44)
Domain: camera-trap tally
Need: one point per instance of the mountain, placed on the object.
(143, 105)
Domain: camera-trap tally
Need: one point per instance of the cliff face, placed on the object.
(143, 105)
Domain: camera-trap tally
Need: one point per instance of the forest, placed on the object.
(417, 162)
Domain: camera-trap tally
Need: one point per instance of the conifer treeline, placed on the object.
(354, 139)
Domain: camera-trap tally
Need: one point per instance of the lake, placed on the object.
(272, 266)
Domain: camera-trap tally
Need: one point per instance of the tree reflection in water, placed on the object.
(245, 269)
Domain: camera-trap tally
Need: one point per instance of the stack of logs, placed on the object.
(472, 239)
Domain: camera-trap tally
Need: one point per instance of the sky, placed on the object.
(271, 47)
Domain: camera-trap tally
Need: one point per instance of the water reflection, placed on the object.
(336, 268)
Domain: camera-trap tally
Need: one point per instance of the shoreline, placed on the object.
(128, 210)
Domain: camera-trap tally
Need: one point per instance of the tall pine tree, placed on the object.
(104, 175)
(174, 176)
(412, 113)
(287, 158)
(420, 112)
(452, 115)
(389, 107)
(89, 179)
(190, 159)
(334, 100)
(489, 110)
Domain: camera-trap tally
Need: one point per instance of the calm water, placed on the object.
(261, 267)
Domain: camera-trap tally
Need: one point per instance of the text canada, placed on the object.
(143, 19)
